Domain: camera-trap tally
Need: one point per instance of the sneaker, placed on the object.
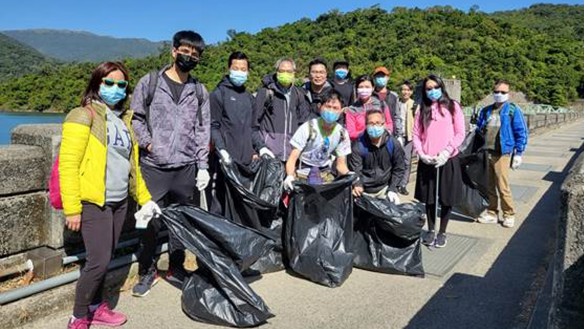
(82, 323)
(429, 238)
(177, 275)
(402, 190)
(488, 218)
(508, 221)
(147, 281)
(104, 316)
(441, 240)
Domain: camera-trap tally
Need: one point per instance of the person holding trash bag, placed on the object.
(235, 131)
(506, 135)
(378, 160)
(438, 131)
(98, 169)
(316, 142)
(171, 120)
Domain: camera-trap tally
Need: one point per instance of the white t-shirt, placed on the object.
(318, 151)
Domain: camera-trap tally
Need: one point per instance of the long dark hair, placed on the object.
(445, 100)
(92, 92)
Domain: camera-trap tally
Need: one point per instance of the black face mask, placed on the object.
(185, 63)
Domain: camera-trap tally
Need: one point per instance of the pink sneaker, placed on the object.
(82, 323)
(104, 316)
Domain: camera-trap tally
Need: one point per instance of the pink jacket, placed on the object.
(355, 117)
(442, 132)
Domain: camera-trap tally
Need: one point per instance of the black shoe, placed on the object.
(402, 190)
(146, 281)
(441, 240)
(177, 275)
(429, 238)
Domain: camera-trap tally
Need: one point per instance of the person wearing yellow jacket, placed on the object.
(98, 170)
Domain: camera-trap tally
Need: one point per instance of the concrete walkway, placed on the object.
(493, 285)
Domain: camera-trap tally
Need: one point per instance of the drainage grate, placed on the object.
(439, 261)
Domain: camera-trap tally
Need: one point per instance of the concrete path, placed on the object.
(494, 285)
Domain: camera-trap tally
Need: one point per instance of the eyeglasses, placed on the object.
(110, 82)
(431, 88)
(500, 92)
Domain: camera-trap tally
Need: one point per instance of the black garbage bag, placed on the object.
(318, 231)
(253, 197)
(472, 203)
(475, 170)
(217, 293)
(387, 236)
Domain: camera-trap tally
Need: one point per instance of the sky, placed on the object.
(159, 20)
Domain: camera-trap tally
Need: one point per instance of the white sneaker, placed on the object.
(508, 221)
(488, 218)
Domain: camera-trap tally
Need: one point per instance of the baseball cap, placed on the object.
(381, 69)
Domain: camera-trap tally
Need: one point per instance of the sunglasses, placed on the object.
(500, 92)
(431, 88)
(110, 82)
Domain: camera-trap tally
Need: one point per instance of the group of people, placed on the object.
(175, 136)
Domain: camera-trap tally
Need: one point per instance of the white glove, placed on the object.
(400, 140)
(393, 197)
(516, 162)
(265, 151)
(426, 159)
(202, 179)
(146, 213)
(441, 159)
(225, 157)
(472, 127)
(288, 182)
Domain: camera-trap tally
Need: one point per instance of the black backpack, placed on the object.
(153, 81)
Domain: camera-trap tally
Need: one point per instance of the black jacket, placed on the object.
(375, 166)
(233, 127)
(279, 118)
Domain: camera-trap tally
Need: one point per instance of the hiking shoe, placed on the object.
(146, 281)
(508, 221)
(177, 275)
(82, 323)
(488, 218)
(402, 190)
(104, 316)
(429, 238)
(441, 240)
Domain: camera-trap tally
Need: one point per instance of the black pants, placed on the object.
(175, 185)
(100, 228)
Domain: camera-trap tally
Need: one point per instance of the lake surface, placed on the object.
(9, 120)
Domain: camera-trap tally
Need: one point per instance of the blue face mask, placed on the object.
(434, 94)
(112, 95)
(329, 116)
(375, 131)
(238, 78)
(380, 81)
(341, 73)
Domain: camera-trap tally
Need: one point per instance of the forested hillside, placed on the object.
(75, 46)
(17, 59)
(539, 49)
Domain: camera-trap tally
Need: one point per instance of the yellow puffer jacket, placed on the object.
(82, 159)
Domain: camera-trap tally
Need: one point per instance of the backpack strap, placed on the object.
(363, 149)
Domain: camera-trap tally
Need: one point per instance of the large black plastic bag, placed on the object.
(475, 170)
(217, 293)
(253, 197)
(318, 231)
(387, 236)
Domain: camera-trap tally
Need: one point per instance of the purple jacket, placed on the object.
(173, 128)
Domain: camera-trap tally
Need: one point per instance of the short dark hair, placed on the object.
(237, 55)
(317, 61)
(362, 78)
(502, 81)
(375, 111)
(340, 62)
(189, 38)
(330, 95)
(408, 84)
(92, 91)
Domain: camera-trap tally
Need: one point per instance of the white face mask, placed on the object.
(500, 98)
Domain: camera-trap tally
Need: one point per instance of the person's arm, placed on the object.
(342, 150)
(520, 131)
(398, 165)
(417, 133)
(216, 108)
(389, 119)
(458, 130)
(139, 120)
(257, 140)
(202, 132)
(355, 162)
(304, 112)
(341, 165)
(291, 163)
(350, 124)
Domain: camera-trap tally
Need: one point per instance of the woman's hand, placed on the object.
(73, 222)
